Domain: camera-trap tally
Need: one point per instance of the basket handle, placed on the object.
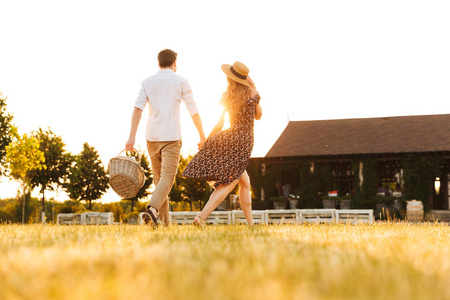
(134, 150)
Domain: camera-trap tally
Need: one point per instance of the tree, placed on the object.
(188, 189)
(195, 188)
(22, 156)
(88, 180)
(57, 162)
(143, 192)
(176, 193)
(7, 132)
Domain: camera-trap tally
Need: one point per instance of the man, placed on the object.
(164, 92)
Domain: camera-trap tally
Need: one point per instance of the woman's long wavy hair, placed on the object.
(235, 96)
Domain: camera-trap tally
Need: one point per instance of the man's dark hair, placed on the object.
(166, 58)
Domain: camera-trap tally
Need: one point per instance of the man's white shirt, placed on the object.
(164, 92)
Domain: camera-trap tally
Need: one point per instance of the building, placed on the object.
(391, 144)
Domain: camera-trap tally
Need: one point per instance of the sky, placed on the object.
(76, 66)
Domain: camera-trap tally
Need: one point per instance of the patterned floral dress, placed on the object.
(224, 157)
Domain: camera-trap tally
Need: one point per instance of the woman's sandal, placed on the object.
(198, 221)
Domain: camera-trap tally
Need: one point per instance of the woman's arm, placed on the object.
(258, 112)
(219, 124)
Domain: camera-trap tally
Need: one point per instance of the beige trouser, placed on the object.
(164, 157)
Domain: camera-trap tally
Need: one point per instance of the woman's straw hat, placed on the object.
(237, 72)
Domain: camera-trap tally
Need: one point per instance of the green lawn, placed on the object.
(380, 261)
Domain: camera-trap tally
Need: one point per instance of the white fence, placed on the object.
(87, 218)
(354, 216)
(281, 216)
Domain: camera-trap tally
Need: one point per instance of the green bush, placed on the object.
(419, 174)
(257, 204)
(131, 218)
(314, 184)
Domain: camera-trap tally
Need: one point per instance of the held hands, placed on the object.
(201, 143)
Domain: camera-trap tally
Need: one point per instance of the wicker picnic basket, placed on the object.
(126, 175)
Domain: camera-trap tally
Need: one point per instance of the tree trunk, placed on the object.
(23, 210)
(132, 204)
(90, 206)
(43, 206)
(23, 205)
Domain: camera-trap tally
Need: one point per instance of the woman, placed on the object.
(224, 157)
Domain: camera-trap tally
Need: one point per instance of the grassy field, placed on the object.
(380, 261)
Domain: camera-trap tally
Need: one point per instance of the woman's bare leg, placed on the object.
(216, 198)
(245, 197)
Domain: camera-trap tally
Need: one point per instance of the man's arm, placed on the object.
(135, 119)
(191, 106)
(198, 124)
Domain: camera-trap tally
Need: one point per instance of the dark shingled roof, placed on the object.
(410, 134)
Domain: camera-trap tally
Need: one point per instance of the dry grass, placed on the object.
(381, 261)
